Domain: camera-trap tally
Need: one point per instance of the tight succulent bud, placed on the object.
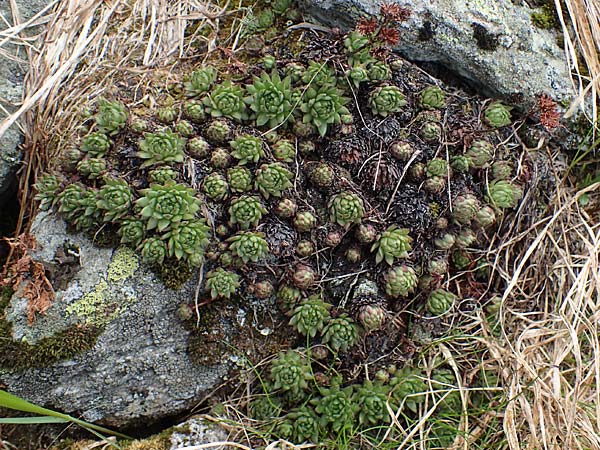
(218, 131)
(220, 158)
(465, 208)
(466, 238)
(303, 277)
(460, 163)
(372, 317)
(305, 248)
(432, 97)
(262, 289)
(497, 115)
(502, 170)
(445, 242)
(346, 208)
(503, 194)
(366, 233)
(401, 150)
(400, 281)
(332, 239)
(431, 131)
(440, 302)
(322, 175)
(353, 255)
(304, 221)
(435, 185)
(286, 208)
(480, 153)
(485, 217)
(198, 148)
(438, 266)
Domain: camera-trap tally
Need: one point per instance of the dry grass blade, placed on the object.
(580, 20)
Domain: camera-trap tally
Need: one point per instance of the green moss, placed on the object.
(545, 17)
(173, 273)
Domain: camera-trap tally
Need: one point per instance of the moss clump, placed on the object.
(173, 273)
(545, 17)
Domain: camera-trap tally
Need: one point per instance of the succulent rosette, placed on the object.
(408, 388)
(357, 47)
(372, 317)
(247, 148)
(153, 251)
(319, 74)
(322, 175)
(47, 189)
(400, 281)
(95, 144)
(111, 117)
(371, 399)
(440, 302)
(310, 316)
(480, 153)
(160, 148)
(340, 333)
(162, 175)
(394, 243)
(222, 283)
(386, 100)
(215, 187)
(226, 100)
(92, 168)
(271, 99)
(432, 97)
(323, 107)
(239, 179)
(72, 201)
(115, 199)
(305, 425)
(503, 194)
(284, 150)
(249, 246)
(497, 115)
(246, 210)
(199, 81)
(336, 408)
(465, 208)
(291, 372)
(379, 71)
(346, 208)
(132, 231)
(163, 206)
(272, 179)
(187, 238)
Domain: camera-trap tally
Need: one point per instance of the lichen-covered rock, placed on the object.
(493, 44)
(139, 368)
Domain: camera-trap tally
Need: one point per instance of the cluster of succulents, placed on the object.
(277, 184)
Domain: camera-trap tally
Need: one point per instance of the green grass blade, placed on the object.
(11, 401)
(31, 420)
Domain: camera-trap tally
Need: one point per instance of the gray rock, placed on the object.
(139, 369)
(12, 73)
(197, 432)
(491, 43)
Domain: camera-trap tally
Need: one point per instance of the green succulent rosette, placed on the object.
(371, 400)
(497, 115)
(71, 201)
(357, 75)
(95, 144)
(166, 114)
(323, 107)
(115, 199)
(408, 388)
(164, 206)
(465, 208)
(271, 99)
(433, 97)
(247, 148)
(291, 372)
(153, 251)
(162, 175)
(265, 407)
(480, 153)
(336, 408)
(394, 243)
(246, 211)
(379, 71)
(310, 316)
(357, 47)
(386, 100)
(47, 189)
(215, 187)
(305, 425)
(503, 194)
(92, 168)
(249, 246)
(132, 231)
(89, 216)
(226, 100)
(284, 150)
(239, 179)
(111, 117)
(162, 147)
(222, 283)
(437, 167)
(340, 333)
(187, 239)
(199, 81)
(440, 302)
(400, 281)
(346, 208)
(272, 179)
